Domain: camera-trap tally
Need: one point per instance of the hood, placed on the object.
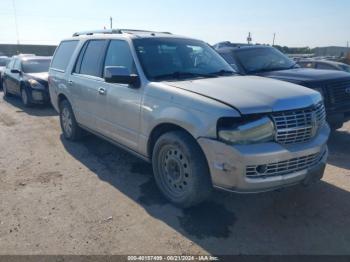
(251, 94)
(39, 76)
(300, 75)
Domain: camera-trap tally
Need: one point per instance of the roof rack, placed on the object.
(116, 31)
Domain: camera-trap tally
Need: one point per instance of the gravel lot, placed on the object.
(90, 197)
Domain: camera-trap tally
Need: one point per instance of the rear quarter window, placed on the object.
(63, 55)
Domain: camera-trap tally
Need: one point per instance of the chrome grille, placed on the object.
(300, 125)
(284, 167)
(339, 92)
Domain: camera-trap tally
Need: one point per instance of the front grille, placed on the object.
(339, 92)
(300, 125)
(284, 167)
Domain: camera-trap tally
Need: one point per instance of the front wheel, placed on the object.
(25, 97)
(180, 169)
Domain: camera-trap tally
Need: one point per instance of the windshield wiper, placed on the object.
(224, 72)
(179, 75)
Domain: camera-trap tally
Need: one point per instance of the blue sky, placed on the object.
(296, 22)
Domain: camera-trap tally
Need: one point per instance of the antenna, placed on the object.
(274, 38)
(16, 25)
(111, 22)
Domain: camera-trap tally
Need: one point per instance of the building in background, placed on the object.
(14, 49)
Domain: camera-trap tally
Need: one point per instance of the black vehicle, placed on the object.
(3, 61)
(27, 77)
(324, 65)
(267, 61)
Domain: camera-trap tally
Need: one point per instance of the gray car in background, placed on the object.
(3, 62)
(175, 102)
(324, 65)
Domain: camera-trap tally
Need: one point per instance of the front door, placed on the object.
(121, 117)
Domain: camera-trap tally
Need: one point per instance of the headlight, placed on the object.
(34, 84)
(320, 90)
(251, 132)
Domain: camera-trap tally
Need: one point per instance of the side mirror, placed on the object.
(120, 75)
(15, 71)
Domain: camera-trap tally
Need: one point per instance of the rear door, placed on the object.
(7, 74)
(16, 77)
(86, 82)
(13, 78)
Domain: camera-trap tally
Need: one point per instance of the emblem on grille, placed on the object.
(347, 90)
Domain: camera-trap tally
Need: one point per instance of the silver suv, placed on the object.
(173, 101)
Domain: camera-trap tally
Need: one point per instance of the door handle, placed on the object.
(102, 91)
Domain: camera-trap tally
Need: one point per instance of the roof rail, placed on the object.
(106, 31)
(116, 31)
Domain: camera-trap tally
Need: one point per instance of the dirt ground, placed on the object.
(90, 197)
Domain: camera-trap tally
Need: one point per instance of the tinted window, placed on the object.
(10, 64)
(63, 54)
(169, 58)
(3, 61)
(17, 64)
(325, 66)
(36, 66)
(119, 54)
(263, 59)
(345, 68)
(306, 64)
(231, 60)
(93, 58)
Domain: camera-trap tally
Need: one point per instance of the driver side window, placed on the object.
(119, 54)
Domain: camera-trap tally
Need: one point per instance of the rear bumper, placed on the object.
(228, 164)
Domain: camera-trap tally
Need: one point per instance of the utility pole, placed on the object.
(16, 25)
(274, 38)
(111, 22)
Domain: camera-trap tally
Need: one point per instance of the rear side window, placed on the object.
(63, 55)
(93, 57)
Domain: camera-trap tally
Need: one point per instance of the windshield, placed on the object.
(175, 58)
(345, 68)
(256, 60)
(3, 61)
(36, 66)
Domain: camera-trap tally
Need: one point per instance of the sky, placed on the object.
(296, 23)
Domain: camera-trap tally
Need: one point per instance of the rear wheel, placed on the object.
(180, 169)
(70, 128)
(4, 90)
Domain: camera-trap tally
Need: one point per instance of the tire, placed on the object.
(25, 97)
(181, 170)
(70, 128)
(4, 90)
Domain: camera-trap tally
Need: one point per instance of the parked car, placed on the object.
(324, 65)
(175, 102)
(267, 61)
(26, 76)
(3, 62)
